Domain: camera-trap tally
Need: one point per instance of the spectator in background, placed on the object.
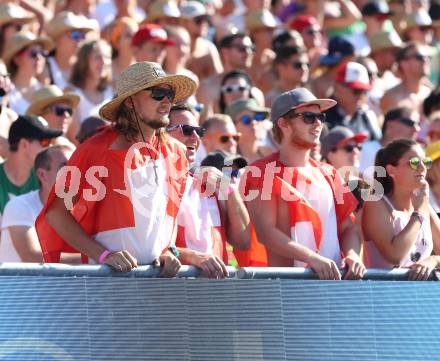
(409, 227)
(311, 32)
(250, 119)
(220, 134)
(341, 148)
(91, 80)
(351, 86)
(7, 115)
(24, 57)
(89, 127)
(432, 102)
(339, 50)
(374, 15)
(122, 32)
(413, 66)
(68, 31)
(12, 19)
(205, 58)
(291, 66)
(434, 127)
(398, 123)
(164, 13)
(206, 223)
(56, 107)
(149, 43)
(19, 240)
(235, 85)
(27, 136)
(417, 26)
(433, 175)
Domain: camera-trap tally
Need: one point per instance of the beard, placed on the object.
(157, 123)
(300, 142)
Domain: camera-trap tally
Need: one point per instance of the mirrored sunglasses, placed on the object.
(159, 94)
(415, 162)
(247, 119)
(77, 35)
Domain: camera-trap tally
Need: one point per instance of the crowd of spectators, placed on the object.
(310, 132)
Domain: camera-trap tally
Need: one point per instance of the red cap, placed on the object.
(302, 22)
(151, 32)
(353, 75)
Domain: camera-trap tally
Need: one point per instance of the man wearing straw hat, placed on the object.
(120, 204)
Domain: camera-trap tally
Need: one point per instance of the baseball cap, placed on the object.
(192, 9)
(238, 106)
(339, 47)
(294, 98)
(302, 22)
(260, 20)
(339, 136)
(31, 127)
(418, 18)
(353, 75)
(376, 7)
(220, 159)
(151, 32)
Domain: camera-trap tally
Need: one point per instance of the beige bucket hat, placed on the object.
(262, 19)
(48, 95)
(68, 21)
(13, 13)
(20, 41)
(143, 75)
(162, 9)
(385, 40)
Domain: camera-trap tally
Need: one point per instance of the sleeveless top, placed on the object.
(421, 249)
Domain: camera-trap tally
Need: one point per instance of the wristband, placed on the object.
(103, 256)
(420, 217)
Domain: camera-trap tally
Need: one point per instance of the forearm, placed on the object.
(67, 228)
(237, 221)
(402, 243)
(188, 256)
(350, 241)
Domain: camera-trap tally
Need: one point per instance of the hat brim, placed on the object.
(49, 134)
(330, 59)
(37, 107)
(357, 138)
(22, 20)
(183, 85)
(46, 43)
(356, 85)
(323, 104)
(257, 109)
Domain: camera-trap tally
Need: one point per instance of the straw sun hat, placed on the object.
(48, 95)
(68, 21)
(13, 13)
(22, 40)
(143, 75)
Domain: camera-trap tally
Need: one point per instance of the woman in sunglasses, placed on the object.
(400, 227)
(235, 85)
(91, 79)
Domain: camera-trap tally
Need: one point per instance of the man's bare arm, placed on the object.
(25, 241)
(238, 222)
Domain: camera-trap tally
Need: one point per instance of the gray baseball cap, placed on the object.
(297, 97)
(339, 136)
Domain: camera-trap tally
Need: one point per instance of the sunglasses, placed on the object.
(247, 119)
(418, 57)
(408, 122)
(60, 111)
(159, 94)
(17, 27)
(349, 148)
(234, 88)
(299, 65)
(77, 35)
(45, 142)
(224, 138)
(312, 31)
(34, 53)
(243, 48)
(309, 117)
(188, 130)
(415, 162)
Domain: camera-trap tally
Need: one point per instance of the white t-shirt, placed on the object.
(317, 191)
(87, 108)
(105, 13)
(19, 211)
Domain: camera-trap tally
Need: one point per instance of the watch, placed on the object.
(173, 249)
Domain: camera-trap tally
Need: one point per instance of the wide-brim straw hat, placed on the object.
(68, 21)
(21, 40)
(13, 13)
(143, 75)
(48, 95)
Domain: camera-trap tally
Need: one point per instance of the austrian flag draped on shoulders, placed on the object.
(123, 199)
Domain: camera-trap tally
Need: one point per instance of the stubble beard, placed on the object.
(157, 123)
(301, 143)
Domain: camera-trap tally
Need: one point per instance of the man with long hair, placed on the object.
(117, 200)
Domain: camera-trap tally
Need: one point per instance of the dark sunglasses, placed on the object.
(414, 162)
(17, 27)
(309, 117)
(234, 88)
(34, 53)
(299, 65)
(312, 31)
(159, 94)
(227, 137)
(243, 48)
(201, 19)
(188, 130)
(408, 122)
(77, 35)
(247, 119)
(59, 111)
(349, 148)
